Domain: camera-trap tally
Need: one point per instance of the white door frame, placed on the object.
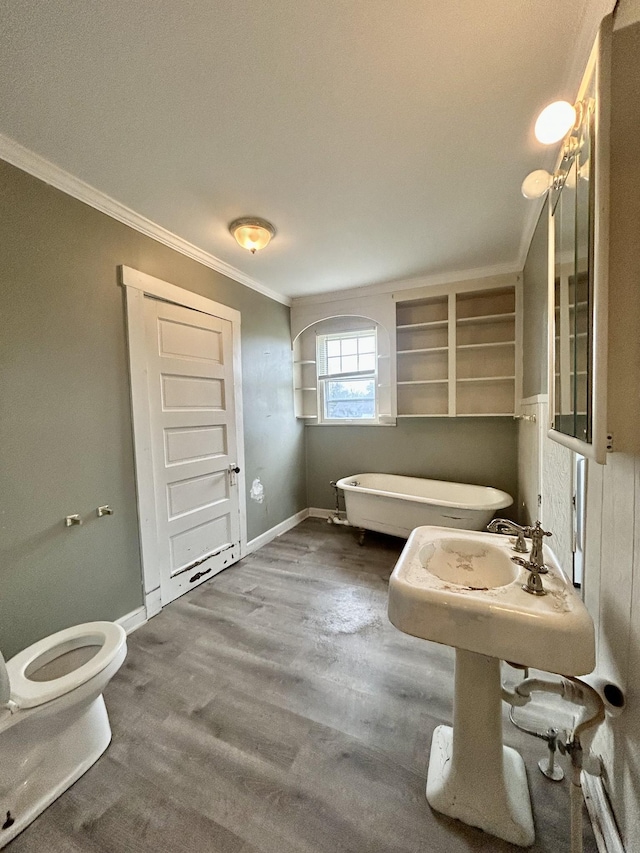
(136, 286)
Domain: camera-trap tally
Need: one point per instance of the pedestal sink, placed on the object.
(461, 588)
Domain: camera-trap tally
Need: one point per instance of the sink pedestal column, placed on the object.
(472, 776)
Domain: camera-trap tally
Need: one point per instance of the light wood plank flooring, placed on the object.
(276, 709)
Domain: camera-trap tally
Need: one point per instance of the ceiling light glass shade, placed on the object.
(252, 233)
(554, 122)
(536, 184)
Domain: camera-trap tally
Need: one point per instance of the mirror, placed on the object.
(572, 217)
(577, 278)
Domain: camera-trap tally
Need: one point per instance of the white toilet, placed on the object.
(53, 720)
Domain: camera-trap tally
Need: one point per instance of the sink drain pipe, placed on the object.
(577, 744)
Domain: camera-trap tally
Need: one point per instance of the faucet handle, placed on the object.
(538, 531)
(504, 525)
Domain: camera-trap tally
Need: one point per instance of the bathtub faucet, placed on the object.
(503, 525)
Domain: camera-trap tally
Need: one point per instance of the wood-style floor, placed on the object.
(276, 709)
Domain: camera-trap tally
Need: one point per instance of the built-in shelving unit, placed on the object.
(456, 354)
(305, 391)
(486, 352)
(422, 340)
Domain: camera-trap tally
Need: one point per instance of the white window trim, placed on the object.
(322, 379)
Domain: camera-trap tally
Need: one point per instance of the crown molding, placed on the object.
(410, 283)
(16, 154)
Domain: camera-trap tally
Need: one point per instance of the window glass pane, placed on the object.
(334, 365)
(367, 344)
(349, 346)
(333, 347)
(349, 363)
(349, 398)
(367, 362)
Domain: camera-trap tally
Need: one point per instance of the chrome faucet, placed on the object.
(503, 525)
(535, 564)
(536, 558)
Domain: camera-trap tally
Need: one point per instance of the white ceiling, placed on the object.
(385, 139)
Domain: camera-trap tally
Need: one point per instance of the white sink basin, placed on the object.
(465, 591)
(467, 563)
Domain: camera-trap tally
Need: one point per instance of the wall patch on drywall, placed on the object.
(257, 491)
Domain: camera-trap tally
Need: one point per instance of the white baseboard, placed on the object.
(319, 512)
(603, 822)
(133, 620)
(153, 602)
(278, 530)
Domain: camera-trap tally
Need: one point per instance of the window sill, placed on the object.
(391, 422)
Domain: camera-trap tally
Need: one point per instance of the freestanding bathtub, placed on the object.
(396, 505)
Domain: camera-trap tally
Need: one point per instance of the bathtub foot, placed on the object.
(362, 535)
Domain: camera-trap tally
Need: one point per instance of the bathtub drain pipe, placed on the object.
(337, 517)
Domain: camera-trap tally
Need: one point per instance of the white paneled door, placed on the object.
(192, 419)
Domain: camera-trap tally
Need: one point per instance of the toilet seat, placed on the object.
(109, 637)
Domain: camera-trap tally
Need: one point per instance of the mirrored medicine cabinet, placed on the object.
(578, 268)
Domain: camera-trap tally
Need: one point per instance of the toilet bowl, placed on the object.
(53, 720)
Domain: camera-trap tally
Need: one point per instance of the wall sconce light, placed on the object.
(252, 233)
(556, 120)
(536, 184)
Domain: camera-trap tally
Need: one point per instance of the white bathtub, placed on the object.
(396, 505)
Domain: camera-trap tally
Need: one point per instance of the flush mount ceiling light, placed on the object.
(252, 233)
(556, 120)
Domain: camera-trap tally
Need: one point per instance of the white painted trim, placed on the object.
(35, 165)
(153, 602)
(143, 460)
(133, 620)
(452, 340)
(603, 822)
(320, 512)
(519, 349)
(151, 286)
(426, 281)
(278, 530)
(136, 286)
(537, 398)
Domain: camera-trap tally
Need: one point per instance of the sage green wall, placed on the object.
(65, 426)
(534, 303)
(482, 451)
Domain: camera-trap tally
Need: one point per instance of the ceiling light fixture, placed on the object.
(252, 233)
